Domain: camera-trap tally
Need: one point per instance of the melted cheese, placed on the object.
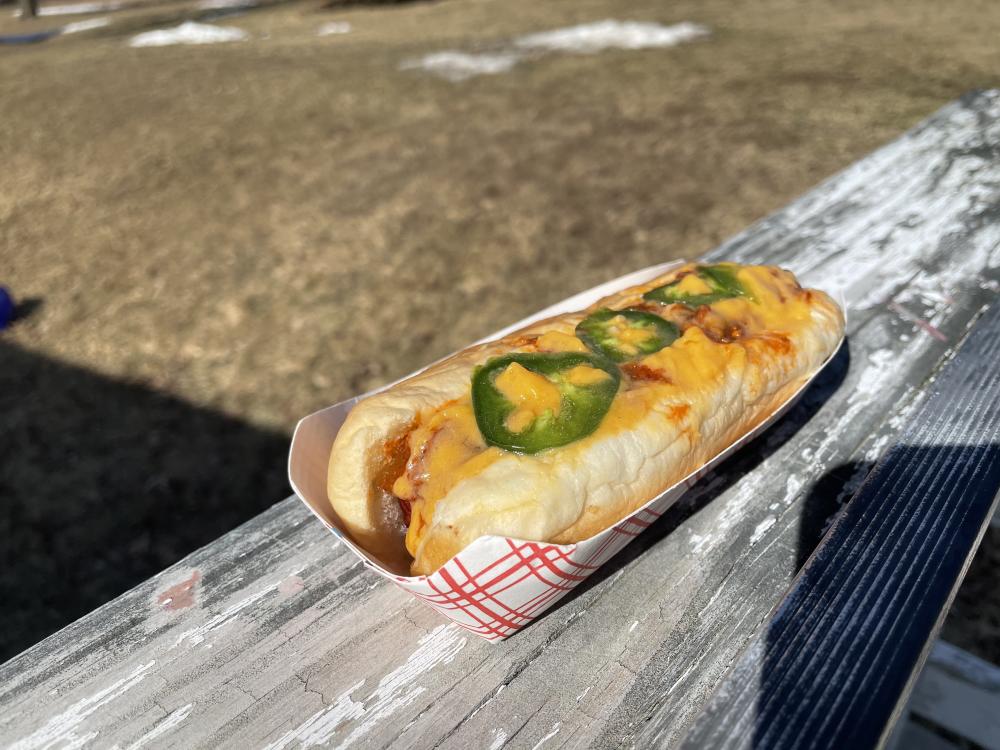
(627, 409)
(691, 285)
(584, 375)
(693, 362)
(633, 335)
(556, 341)
(629, 338)
(453, 449)
(532, 395)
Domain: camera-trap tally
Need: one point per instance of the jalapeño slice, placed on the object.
(529, 402)
(622, 335)
(720, 283)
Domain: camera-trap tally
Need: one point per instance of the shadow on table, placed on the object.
(104, 483)
(842, 646)
(837, 654)
(728, 473)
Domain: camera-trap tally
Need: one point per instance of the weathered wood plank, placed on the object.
(915, 737)
(275, 636)
(833, 663)
(960, 692)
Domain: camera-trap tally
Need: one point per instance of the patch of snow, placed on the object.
(226, 4)
(458, 66)
(334, 27)
(189, 32)
(90, 23)
(594, 37)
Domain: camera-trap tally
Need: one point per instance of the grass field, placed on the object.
(246, 232)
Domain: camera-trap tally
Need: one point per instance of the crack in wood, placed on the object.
(318, 693)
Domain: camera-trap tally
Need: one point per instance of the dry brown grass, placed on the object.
(264, 228)
(267, 227)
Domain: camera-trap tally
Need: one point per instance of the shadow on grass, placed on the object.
(104, 483)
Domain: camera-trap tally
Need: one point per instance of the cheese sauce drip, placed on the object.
(446, 446)
(445, 449)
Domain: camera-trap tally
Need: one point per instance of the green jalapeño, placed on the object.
(623, 335)
(705, 285)
(529, 402)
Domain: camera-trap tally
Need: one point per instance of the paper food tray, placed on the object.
(497, 585)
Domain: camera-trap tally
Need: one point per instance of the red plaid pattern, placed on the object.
(497, 585)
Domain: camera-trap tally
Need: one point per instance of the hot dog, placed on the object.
(559, 430)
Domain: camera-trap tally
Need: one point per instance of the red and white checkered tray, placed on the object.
(496, 585)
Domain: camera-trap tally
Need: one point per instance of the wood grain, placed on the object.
(833, 664)
(960, 692)
(287, 642)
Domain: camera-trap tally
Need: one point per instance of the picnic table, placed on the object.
(275, 636)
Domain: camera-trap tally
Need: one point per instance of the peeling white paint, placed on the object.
(761, 529)
(196, 635)
(395, 690)
(61, 729)
(549, 736)
(491, 699)
(793, 486)
(699, 542)
(499, 739)
(319, 728)
(167, 724)
(849, 254)
(680, 679)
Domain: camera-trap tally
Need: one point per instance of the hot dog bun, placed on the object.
(418, 445)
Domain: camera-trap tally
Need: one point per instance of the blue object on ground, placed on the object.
(6, 308)
(38, 36)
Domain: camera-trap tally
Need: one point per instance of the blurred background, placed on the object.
(217, 216)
